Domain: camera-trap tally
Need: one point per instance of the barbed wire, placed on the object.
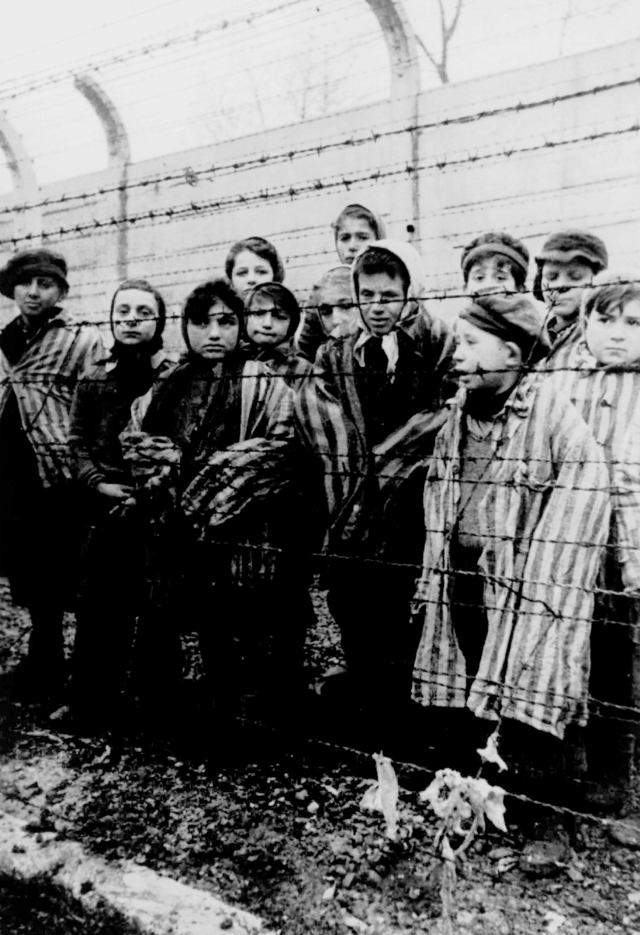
(360, 139)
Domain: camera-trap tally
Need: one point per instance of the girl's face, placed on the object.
(335, 308)
(482, 361)
(217, 335)
(563, 286)
(135, 317)
(37, 296)
(351, 237)
(267, 325)
(249, 270)
(491, 274)
(613, 334)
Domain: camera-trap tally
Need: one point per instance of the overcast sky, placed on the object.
(256, 64)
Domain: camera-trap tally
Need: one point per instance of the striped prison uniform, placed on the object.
(544, 521)
(43, 381)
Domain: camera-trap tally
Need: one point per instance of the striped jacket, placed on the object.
(607, 399)
(253, 468)
(43, 380)
(330, 420)
(544, 519)
(626, 505)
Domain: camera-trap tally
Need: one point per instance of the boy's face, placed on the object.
(352, 235)
(489, 274)
(562, 285)
(481, 361)
(217, 336)
(381, 300)
(248, 271)
(335, 308)
(135, 317)
(267, 325)
(613, 335)
(36, 296)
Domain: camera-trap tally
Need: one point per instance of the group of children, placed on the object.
(473, 486)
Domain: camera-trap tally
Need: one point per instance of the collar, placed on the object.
(519, 401)
(389, 346)
(59, 319)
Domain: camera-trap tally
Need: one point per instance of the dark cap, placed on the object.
(496, 243)
(512, 318)
(29, 263)
(569, 245)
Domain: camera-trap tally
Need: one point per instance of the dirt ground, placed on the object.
(277, 827)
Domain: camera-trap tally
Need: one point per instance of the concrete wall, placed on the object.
(466, 184)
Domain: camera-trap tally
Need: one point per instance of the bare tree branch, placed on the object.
(446, 34)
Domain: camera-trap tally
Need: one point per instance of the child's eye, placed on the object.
(343, 237)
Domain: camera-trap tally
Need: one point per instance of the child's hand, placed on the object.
(629, 581)
(116, 491)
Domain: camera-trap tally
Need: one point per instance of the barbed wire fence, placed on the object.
(308, 249)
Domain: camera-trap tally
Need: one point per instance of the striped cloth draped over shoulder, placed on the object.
(257, 466)
(44, 380)
(544, 520)
(330, 422)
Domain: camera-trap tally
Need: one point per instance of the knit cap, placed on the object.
(28, 263)
(492, 243)
(569, 245)
(512, 318)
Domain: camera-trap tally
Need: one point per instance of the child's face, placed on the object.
(267, 325)
(248, 271)
(335, 308)
(352, 235)
(481, 361)
(135, 317)
(562, 285)
(217, 336)
(613, 334)
(36, 296)
(490, 274)
(381, 299)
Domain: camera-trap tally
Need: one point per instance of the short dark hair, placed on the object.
(282, 297)
(200, 300)
(374, 260)
(482, 246)
(262, 248)
(613, 291)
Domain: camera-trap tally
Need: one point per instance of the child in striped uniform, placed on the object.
(42, 356)
(601, 377)
(365, 386)
(231, 419)
(516, 512)
(271, 316)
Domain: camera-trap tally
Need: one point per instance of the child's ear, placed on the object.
(514, 354)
